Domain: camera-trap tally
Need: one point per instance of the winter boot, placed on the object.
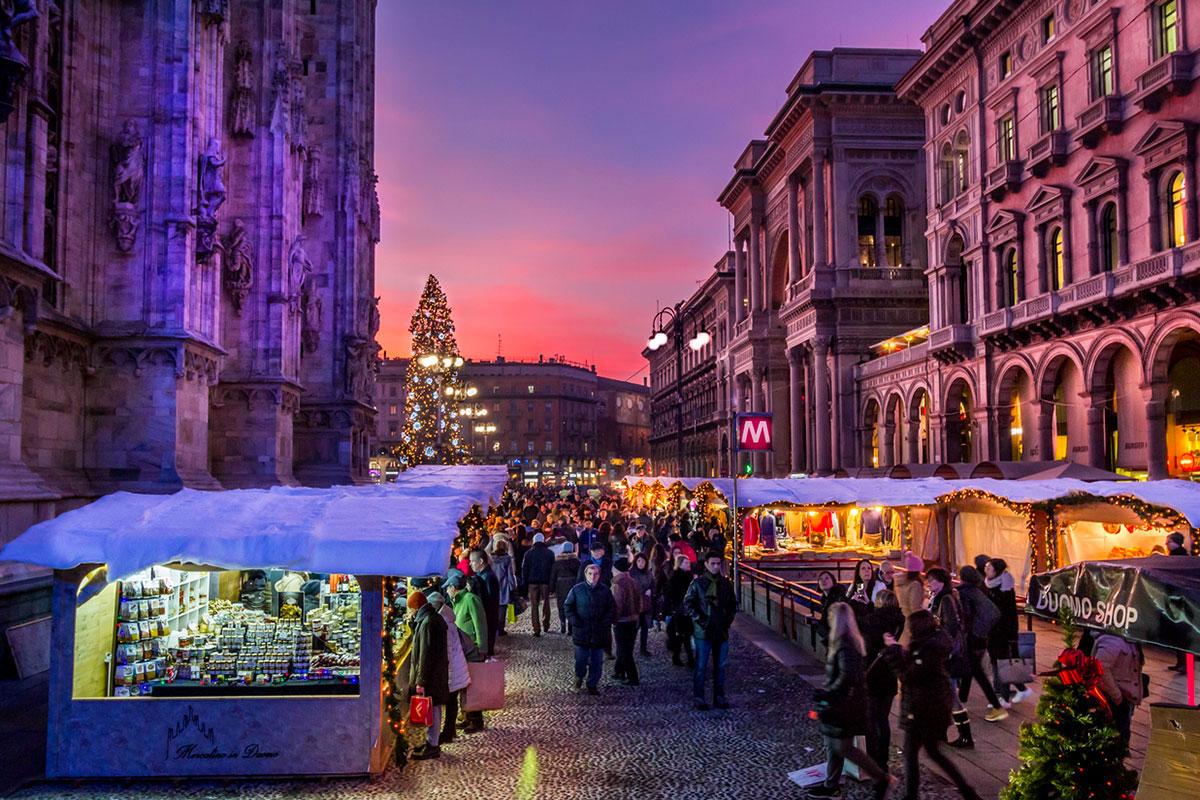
(962, 723)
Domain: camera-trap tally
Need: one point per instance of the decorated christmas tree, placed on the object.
(1073, 750)
(433, 431)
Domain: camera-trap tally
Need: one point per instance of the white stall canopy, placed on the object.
(1180, 496)
(402, 528)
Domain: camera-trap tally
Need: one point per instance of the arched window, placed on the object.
(1174, 210)
(866, 231)
(893, 231)
(1109, 243)
(1055, 258)
(946, 174)
(1012, 277)
(962, 164)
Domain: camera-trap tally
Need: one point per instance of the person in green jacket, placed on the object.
(468, 610)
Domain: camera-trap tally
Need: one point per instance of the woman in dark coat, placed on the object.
(831, 592)
(925, 699)
(885, 619)
(1002, 641)
(842, 704)
(429, 666)
(679, 622)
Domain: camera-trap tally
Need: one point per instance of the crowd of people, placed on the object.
(613, 572)
(616, 571)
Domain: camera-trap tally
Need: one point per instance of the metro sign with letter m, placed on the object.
(753, 431)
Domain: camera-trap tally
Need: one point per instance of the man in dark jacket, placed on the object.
(485, 584)
(563, 577)
(600, 558)
(589, 606)
(535, 572)
(711, 604)
(429, 667)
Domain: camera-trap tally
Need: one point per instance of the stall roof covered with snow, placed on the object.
(1182, 497)
(401, 528)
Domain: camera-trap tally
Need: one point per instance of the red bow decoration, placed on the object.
(1074, 667)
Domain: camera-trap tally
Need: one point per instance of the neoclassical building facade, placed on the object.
(827, 213)
(688, 409)
(186, 247)
(1063, 240)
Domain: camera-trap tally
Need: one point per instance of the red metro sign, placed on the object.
(753, 431)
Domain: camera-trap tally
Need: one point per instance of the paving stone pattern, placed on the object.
(554, 742)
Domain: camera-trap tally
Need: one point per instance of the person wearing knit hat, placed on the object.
(910, 590)
(429, 667)
(535, 572)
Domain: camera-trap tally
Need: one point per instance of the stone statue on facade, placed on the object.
(281, 95)
(128, 171)
(376, 217)
(373, 320)
(213, 11)
(212, 196)
(239, 265)
(298, 116)
(13, 66)
(241, 104)
(314, 189)
(302, 292)
(359, 375)
(352, 192)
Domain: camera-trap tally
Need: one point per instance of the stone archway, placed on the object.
(1173, 414)
(919, 444)
(871, 434)
(1062, 432)
(779, 272)
(1117, 433)
(960, 424)
(894, 430)
(1016, 415)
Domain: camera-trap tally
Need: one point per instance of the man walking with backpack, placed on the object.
(980, 615)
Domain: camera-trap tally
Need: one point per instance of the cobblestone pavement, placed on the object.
(552, 742)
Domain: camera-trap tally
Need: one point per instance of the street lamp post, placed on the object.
(485, 429)
(674, 317)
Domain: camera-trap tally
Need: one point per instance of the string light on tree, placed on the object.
(431, 427)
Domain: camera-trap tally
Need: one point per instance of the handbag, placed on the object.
(420, 710)
(1022, 667)
(486, 690)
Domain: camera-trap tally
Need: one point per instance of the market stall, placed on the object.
(239, 632)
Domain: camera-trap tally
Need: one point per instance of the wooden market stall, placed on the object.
(239, 633)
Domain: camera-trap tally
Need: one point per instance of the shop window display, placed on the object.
(183, 632)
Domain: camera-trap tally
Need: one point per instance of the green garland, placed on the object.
(394, 607)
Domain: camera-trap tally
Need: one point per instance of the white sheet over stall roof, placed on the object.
(402, 528)
(1181, 496)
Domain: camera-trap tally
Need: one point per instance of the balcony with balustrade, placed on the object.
(1104, 117)
(1048, 151)
(1170, 75)
(1095, 298)
(1004, 178)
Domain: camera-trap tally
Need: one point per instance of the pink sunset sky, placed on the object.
(556, 163)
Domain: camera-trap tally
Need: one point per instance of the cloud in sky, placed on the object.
(555, 163)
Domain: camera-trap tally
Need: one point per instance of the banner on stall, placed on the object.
(1154, 600)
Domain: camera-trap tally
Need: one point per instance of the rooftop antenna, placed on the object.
(498, 349)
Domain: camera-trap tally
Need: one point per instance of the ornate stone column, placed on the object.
(820, 224)
(739, 280)
(795, 412)
(1096, 436)
(793, 198)
(821, 420)
(755, 277)
(913, 437)
(887, 456)
(1156, 441)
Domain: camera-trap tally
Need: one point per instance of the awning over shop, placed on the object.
(401, 528)
(1154, 600)
(1180, 496)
